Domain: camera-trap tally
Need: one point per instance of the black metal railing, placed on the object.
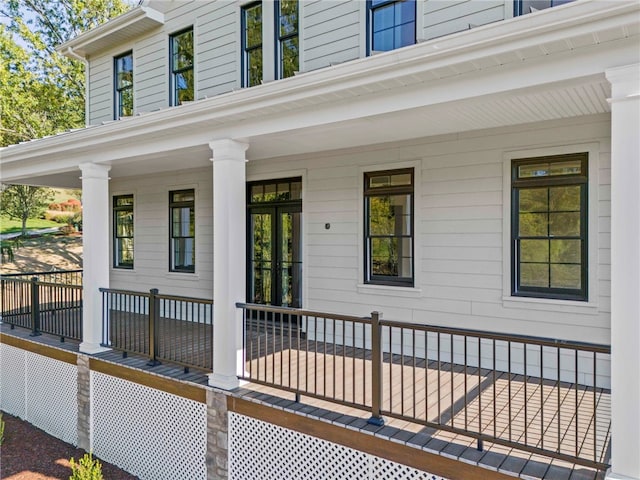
(167, 328)
(539, 395)
(49, 302)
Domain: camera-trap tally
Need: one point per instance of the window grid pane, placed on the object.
(124, 85)
(182, 235)
(393, 24)
(389, 227)
(252, 44)
(182, 76)
(549, 227)
(123, 230)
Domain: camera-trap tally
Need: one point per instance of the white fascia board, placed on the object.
(88, 42)
(579, 18)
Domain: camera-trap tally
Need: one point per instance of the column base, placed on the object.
(616, 476)
(224, 382)
(92, 348)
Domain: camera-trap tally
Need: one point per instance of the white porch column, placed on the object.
(95, 251)
(229, 260)
(625, 271)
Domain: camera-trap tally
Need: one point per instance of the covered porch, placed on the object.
(452, 352)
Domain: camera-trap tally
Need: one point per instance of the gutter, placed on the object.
(69, 52)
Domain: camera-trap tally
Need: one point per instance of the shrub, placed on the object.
(68, 229)
(55, 206)
(1, 429)
(87, 468)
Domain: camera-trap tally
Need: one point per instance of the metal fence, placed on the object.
(539, 395)
(167, 328)
(48, 302)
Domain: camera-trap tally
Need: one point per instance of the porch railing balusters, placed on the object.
(501, 375)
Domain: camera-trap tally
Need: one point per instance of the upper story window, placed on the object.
(124, 85)
(252, 45)
(392, 23)
(182, 218)
(522, 7)
(182, 80)
(287, 32)
(123, 231)
(549, 227)
(388, 207)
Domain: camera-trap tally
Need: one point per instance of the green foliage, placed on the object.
(8, 225)
(41, 91)
(22, 202)
(87, 468)
(1, 429)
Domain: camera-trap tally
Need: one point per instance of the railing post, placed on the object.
(376, 370)
(35, 307)
(154, 312)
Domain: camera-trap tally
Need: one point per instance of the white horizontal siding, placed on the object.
(331, 33)
(459, 231)
(443, 17)
(151, 234)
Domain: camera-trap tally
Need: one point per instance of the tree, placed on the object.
(41, 91)
(24, 201)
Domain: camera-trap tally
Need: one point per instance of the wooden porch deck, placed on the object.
(472, 396)
(433, 392)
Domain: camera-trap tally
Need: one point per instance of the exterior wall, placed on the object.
(459, 232)
(449, 16)
(151, 234)
(331, 31)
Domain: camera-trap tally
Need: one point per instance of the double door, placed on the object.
(275, 255)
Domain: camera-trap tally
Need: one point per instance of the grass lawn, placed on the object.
(8, 225)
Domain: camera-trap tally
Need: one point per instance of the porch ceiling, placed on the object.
(544, 66)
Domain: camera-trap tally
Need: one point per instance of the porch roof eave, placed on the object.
(489, 61)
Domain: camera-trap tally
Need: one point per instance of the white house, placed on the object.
(468, 165)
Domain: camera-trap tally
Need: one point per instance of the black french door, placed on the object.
(274, 257)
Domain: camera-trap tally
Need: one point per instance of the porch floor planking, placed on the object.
(535, 403)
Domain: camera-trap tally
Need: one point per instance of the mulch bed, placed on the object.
(28, 453)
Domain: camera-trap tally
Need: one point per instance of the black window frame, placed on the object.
(118, 90)
(580, 179)
(246, 50)
(369, 192)
(174, 72)
(371, 8)
(181, 204)
(282, 39)
(520, 9)
(117, 249)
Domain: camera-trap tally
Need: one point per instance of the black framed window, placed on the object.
(522, 7)
(392, 24)
(252, 44)
(182, 79)
(287, 33)
(549, 227)
(124, 85)
(182, 231)
(388, 212)
(123, 231)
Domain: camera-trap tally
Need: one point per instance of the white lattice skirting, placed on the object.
(41, 391)
(262, 451)
(150, 433)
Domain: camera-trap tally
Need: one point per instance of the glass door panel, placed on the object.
(290, 259)
(261, 258)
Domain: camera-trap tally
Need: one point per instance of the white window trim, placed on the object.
(392, 290)
(567, 306)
